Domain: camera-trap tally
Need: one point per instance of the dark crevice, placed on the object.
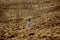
(57, 24)
(31, 34)
(44, 36)
(12, 36)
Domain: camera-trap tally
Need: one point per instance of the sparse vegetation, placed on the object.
(44, 15)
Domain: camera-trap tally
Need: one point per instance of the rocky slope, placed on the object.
(44, 14)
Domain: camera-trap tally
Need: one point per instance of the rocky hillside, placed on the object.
(44, 14)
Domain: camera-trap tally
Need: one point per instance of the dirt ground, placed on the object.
(44, 15)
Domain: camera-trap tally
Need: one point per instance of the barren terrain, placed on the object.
(44, 14)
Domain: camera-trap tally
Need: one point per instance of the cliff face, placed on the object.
(44, 14)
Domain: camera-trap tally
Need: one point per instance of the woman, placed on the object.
(29, 24)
